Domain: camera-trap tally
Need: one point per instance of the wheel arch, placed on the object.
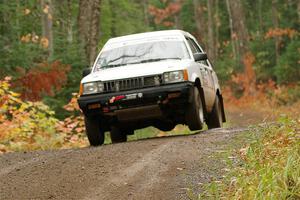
(198, 84)
(219, 94)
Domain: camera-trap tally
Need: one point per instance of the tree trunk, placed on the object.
(89, 27)
(94, 30)
(276, 25)
(217, 23)
(145, 4)
(298, 10)
(233, 40)
(47, 15)
(260, 16)
(200, 23)
(239, 30)
(210, 28)
(177, 22)
(113, 18)
(239, 35)
(83, 24)
(69, 22)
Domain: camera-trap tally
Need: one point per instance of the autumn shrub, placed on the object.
(268, 165)
(44, 79)
(26, 125)
(244, 90)
(73, 126)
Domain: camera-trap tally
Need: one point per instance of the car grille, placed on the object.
(132, 83)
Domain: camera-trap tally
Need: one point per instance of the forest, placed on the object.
(254, 46)
(45, 44)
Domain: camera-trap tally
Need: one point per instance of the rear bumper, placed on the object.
(106, 104)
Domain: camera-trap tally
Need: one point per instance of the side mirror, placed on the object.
(86, 72)
(200, 56)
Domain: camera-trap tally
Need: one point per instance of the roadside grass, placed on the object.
(268, 167)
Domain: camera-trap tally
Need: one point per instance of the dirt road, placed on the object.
(159, 168)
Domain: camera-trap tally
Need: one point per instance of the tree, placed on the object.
(200, 21)
(276, 26)
(47, 17)
(211, 49)
(89, 27)
(239, 32)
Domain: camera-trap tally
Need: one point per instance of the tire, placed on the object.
(117, 135)
(195, 113)
(215, 119)
(93, 131)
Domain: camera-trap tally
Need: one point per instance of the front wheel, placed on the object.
(93, 131)
(195, 113)
(215, 119)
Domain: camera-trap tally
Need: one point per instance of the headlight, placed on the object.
(175, 76)
(93, 87)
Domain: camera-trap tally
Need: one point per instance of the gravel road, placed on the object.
(159, 168)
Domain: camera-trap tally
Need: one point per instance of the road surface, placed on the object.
(159, 168)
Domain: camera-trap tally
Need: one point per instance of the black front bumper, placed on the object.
(102, 103)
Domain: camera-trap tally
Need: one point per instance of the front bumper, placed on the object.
(110, 102)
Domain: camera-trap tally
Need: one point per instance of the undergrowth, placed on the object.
(269, 167)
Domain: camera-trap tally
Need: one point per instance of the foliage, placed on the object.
(73, 126)
(50, 78)
(165, 15)
(269, 165)
(32, 125)
(288, 67)
(25, 125)
(25, 47)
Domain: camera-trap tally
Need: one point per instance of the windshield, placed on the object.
(142, 53)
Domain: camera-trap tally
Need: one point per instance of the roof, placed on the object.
(118, 41)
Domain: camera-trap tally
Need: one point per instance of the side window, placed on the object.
(197, 50)
(193, 48)
(196, 46)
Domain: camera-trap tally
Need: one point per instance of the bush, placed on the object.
(288, 67)
(26, 125)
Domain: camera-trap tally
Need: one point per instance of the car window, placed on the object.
(141, 53)
(191, 45)
(196, 49)
(196, 46)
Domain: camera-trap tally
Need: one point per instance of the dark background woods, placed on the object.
(46, 43)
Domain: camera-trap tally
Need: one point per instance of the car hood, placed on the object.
(136, 70)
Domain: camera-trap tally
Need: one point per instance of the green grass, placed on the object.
(269, 166)
(152, 132)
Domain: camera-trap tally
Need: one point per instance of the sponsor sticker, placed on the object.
(125, 97)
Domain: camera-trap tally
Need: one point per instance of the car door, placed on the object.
(206, 72)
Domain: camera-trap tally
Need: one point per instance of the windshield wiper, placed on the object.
(142, 61)
(123, 56)
(159, 59)
(111, 66)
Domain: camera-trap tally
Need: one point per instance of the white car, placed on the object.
(158, 79)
